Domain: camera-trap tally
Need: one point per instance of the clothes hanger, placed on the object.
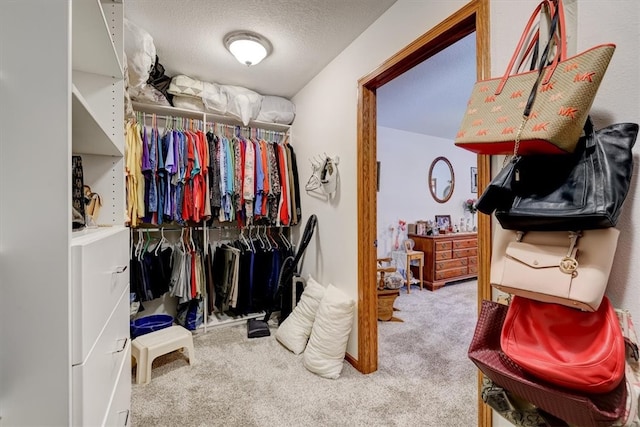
(139, 244)
(284, 239)
(184, 249)
(273, 242)
(248, 242)
(253, 238)
(161, 242)
(267, 242)
(192, 246)
(147, 240)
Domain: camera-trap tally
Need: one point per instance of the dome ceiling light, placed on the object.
(248, 48)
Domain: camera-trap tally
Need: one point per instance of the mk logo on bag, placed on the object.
(502, 119)
(585, 77)
(490, 98)
(477, 122)
(516, 94)
(570, 67)
(555, 97)
(540, 127)
(496, 109)
(509, 130)
(547, 87)
(568, 112)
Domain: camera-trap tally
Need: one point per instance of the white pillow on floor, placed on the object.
(327, 344)
(294, 332)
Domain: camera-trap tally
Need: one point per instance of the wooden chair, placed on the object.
(386, 297)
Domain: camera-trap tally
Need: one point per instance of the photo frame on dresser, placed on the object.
(443, 222)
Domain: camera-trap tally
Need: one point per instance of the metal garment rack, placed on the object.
(201, 120)
(221, 319)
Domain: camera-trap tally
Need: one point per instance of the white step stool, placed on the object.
(146, 348)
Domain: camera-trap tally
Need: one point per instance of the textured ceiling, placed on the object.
(306, 35)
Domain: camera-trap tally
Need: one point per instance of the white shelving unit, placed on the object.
(162, 110)
(64, 315)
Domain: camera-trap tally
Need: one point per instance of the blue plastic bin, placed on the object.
(151, 323)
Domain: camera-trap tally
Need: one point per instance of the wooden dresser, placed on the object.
(447, 257)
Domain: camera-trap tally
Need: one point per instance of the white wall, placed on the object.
(404, 192)
(326, 118)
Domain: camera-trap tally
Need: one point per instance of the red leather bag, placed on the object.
(575, 349)
(576, 408)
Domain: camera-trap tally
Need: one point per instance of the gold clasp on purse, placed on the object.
(568, 264)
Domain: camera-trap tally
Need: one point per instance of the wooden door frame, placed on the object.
(474, 16)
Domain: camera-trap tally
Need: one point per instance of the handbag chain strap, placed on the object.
(568, 264)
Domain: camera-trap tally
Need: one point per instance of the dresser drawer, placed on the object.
(473, 269)
(466, 243)
(119, 411)
(452, 263)
(94, 380)
(99, 275)
(453, 272)
(441, 255)
(473, 260)
(460, 253)
(443, 246)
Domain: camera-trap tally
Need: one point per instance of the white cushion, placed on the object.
(327, 344)
(141, 53)
(294, 332)
(182, 85)
(188, 103)
(276, 109)
(244, 103)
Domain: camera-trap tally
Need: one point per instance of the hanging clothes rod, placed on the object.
(186, 122)
(173, 228)
(211, 227)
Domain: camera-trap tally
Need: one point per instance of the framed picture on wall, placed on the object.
(443, 222)
(474, 180)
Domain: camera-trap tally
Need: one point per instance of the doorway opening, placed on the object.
(472, 17)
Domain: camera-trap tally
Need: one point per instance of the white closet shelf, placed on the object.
(86, 127)
(163, 110)
(93, 47)
(90, 235)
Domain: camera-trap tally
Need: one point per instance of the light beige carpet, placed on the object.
(424, 376)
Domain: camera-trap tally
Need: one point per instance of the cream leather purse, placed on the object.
(562, 267)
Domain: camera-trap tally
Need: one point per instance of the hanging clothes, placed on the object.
(184, 175)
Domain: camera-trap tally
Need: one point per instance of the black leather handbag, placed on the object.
(499, 193)
(580, 191)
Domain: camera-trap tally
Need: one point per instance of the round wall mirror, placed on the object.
(441, 179)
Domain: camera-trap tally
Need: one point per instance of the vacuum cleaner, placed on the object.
(257, 328)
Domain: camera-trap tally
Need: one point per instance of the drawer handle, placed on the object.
(126, 418)
(124, 345)
(120, 270)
